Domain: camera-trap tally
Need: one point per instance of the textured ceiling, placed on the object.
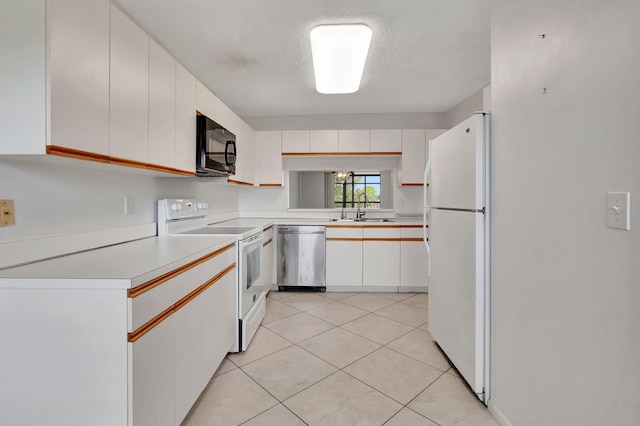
(425, 55)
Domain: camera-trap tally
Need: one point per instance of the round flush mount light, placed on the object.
(339, 54)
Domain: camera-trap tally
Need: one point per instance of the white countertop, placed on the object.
(123, 265)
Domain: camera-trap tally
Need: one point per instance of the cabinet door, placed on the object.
(80, 74)
(413, 264)
(185, 119)
(414, 148)
(153, 376)
(353, 140)
(206, 102)
(344, 263)
(381, 256)
(431, 134)
(245, 145)
(323, 141)
(269, 158)
(188, 357)
(162, 106)
(413, 258)
(129, 90)
(220, 323)
(344, 256)
(295, 141)
(386, 141)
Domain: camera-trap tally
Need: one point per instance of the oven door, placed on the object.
(250, 272)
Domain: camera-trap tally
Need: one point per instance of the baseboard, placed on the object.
(497, 414)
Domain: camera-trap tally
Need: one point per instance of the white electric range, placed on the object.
(188, 218)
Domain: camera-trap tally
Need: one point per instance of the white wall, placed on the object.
(408, 120)
(566, 288)
(54, 196)
(464, 109)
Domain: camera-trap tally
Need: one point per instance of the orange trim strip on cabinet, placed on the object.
(269, 241)
(412, 239)
(413, 184)
(143, 288)
(333, 153)
(149, 325)
(271, 184)
(61, 151)
(344, 239)
(381, 239)
(238, 182)
(267, 228)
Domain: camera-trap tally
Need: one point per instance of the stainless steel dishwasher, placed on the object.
(301, 258)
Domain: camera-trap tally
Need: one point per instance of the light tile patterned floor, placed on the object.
(340, 359)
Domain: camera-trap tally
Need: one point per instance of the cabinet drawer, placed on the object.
(147, 305)
(382, 232)
(344, 232)
(411, 232)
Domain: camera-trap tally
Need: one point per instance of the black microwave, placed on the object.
(215, 150)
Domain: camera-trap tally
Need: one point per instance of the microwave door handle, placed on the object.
(226, 152)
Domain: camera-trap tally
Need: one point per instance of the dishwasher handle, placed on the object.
(286, 231)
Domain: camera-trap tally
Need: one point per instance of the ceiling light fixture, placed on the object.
(339, 54)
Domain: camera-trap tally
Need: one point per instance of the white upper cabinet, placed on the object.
(353, 141)
(245, 149)
(206, 102)
(79, 75)
(387, 140)
(185, 148)
(295, 141)
(414, 148)
(269, 158)
(431, 134)
(323, 141)
(162, 106)
(129, 92)
(76, 42)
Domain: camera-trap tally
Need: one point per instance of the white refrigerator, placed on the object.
(457, 203)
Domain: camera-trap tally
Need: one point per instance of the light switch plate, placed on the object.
(618, 209)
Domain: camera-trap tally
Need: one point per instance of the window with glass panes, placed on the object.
(363, 187)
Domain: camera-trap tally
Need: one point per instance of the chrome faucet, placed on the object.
(360, 213)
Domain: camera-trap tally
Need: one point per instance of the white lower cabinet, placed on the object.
(344, 256)
(176, 351)
(188, 338)
(152, 377)
(376, 256)
(413, 259)
(218, 324)
(381, 256)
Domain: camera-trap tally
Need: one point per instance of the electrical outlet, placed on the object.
(7, 217)
(128, 204)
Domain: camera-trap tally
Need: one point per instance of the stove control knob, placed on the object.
(201, 206)
(174, 207)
